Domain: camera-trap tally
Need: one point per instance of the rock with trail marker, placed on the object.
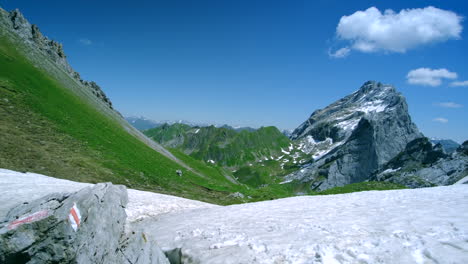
(83, 227)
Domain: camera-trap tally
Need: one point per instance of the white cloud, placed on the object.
(372, 30)
(449, 105)
(85, 41)
(341, 53)
(459, 83)
(440, 120)
(430, 77)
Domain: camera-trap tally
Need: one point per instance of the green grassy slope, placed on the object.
(48, 129)
(244, 155)
(225, 146)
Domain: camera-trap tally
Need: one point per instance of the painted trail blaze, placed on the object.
(28, 219)
(74, 217)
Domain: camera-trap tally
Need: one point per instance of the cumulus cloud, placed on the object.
(430, 77)
(459, 83)
(449, 105)
(440, 120)
(341, 53)
(85, 41)
(371, 30)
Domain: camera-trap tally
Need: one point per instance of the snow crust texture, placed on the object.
(403, 226)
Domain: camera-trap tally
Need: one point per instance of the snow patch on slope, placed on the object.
(17, 187)
(372, 106)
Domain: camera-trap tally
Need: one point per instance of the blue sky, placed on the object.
(263, 62)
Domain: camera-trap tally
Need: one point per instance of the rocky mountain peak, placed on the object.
(355, 135)
(370, 87)
(338, 120)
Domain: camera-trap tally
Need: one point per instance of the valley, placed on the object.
(355, 182)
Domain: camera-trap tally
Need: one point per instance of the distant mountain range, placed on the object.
(143, 123)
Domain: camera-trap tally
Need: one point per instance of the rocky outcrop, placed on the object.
(83, 227)
(463, 148)
(423, 165)
(16, 23)
(357, 135)
(449, 146)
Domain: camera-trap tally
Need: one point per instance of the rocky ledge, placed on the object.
(423, 165)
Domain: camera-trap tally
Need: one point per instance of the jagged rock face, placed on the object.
(362, 132)
(424, 165)
(84, 227)
(31, 35)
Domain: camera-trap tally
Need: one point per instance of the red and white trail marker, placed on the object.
(74, 217)
(28, 219)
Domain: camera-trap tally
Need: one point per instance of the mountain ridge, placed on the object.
(142, 123)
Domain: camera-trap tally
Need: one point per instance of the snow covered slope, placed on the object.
(17, 187)
(403, 226)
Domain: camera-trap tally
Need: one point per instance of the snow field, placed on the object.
(427, 225)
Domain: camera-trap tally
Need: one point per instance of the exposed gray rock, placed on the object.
(362, 132)
(47, 231)
(237, 195)
(424, 165)
(136, 248)
(31, 35)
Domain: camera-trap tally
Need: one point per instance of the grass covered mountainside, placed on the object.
(221, 145)
(46, 128)
(251, 157)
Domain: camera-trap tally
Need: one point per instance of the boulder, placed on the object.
(83, 227)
